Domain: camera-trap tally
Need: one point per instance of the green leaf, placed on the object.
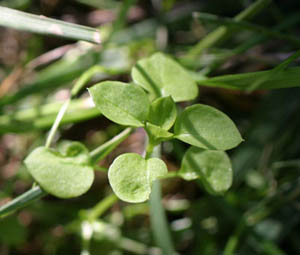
(125, 104)
(163, 112)
(157, 134)
(213, 168)
(162, 76)
(131, 176)
(63, 174)
(206, 127)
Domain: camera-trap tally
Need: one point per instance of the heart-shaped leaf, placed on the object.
(163, 112)
(162, 76)
(125, 104)
(62, 175)
(206, 127)
(213, 168)
(131, 176)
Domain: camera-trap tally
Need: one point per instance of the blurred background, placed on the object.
(258, 215)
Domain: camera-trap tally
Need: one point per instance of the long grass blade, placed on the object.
(42, 25)
(244, 25)
(287, 78)
(222, 32)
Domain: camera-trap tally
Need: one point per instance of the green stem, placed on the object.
(103, 150)
(159, 223)
(233, 241)
(101, 207)
(56, 123)
(21, 201)
(86, 76)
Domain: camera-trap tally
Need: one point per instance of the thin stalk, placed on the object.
(222, 32)
(132, 246)
(42, 25)
(86, 76)
(56, 123)
(21, 201)
(101, 207)
(159, 223)
(244, 25)
(103, 150)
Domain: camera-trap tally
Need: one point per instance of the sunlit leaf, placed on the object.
(125, 104)
(206, 127)
(162, 76)
(131, 176)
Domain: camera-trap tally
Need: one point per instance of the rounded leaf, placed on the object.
(62, 175)
(206, 127)
(163, 112)
(213, 168)
(131, 176)
(162, 76)
(122, 103)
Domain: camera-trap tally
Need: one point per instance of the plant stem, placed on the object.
(101, 152)
(101, 207)
(26, 198)
(56, 123)
(86, 76)
(159, 223)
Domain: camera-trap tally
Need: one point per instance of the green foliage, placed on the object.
(161, 76)
(131, 176)
(206, 127)
(125, 104)
(213, 168)
(66, 173)
(163, 112)
(157, 134)
(240, 220)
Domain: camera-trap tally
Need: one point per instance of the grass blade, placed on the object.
(287, 78)
(244, 25)
(42, 25)
(222, 32)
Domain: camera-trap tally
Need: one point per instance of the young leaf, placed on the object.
(206, 127)
(125, 104)
(157, 134)
(213, 168)
(163, 112)
(65, 175)
(162, 76)
(131, 176)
